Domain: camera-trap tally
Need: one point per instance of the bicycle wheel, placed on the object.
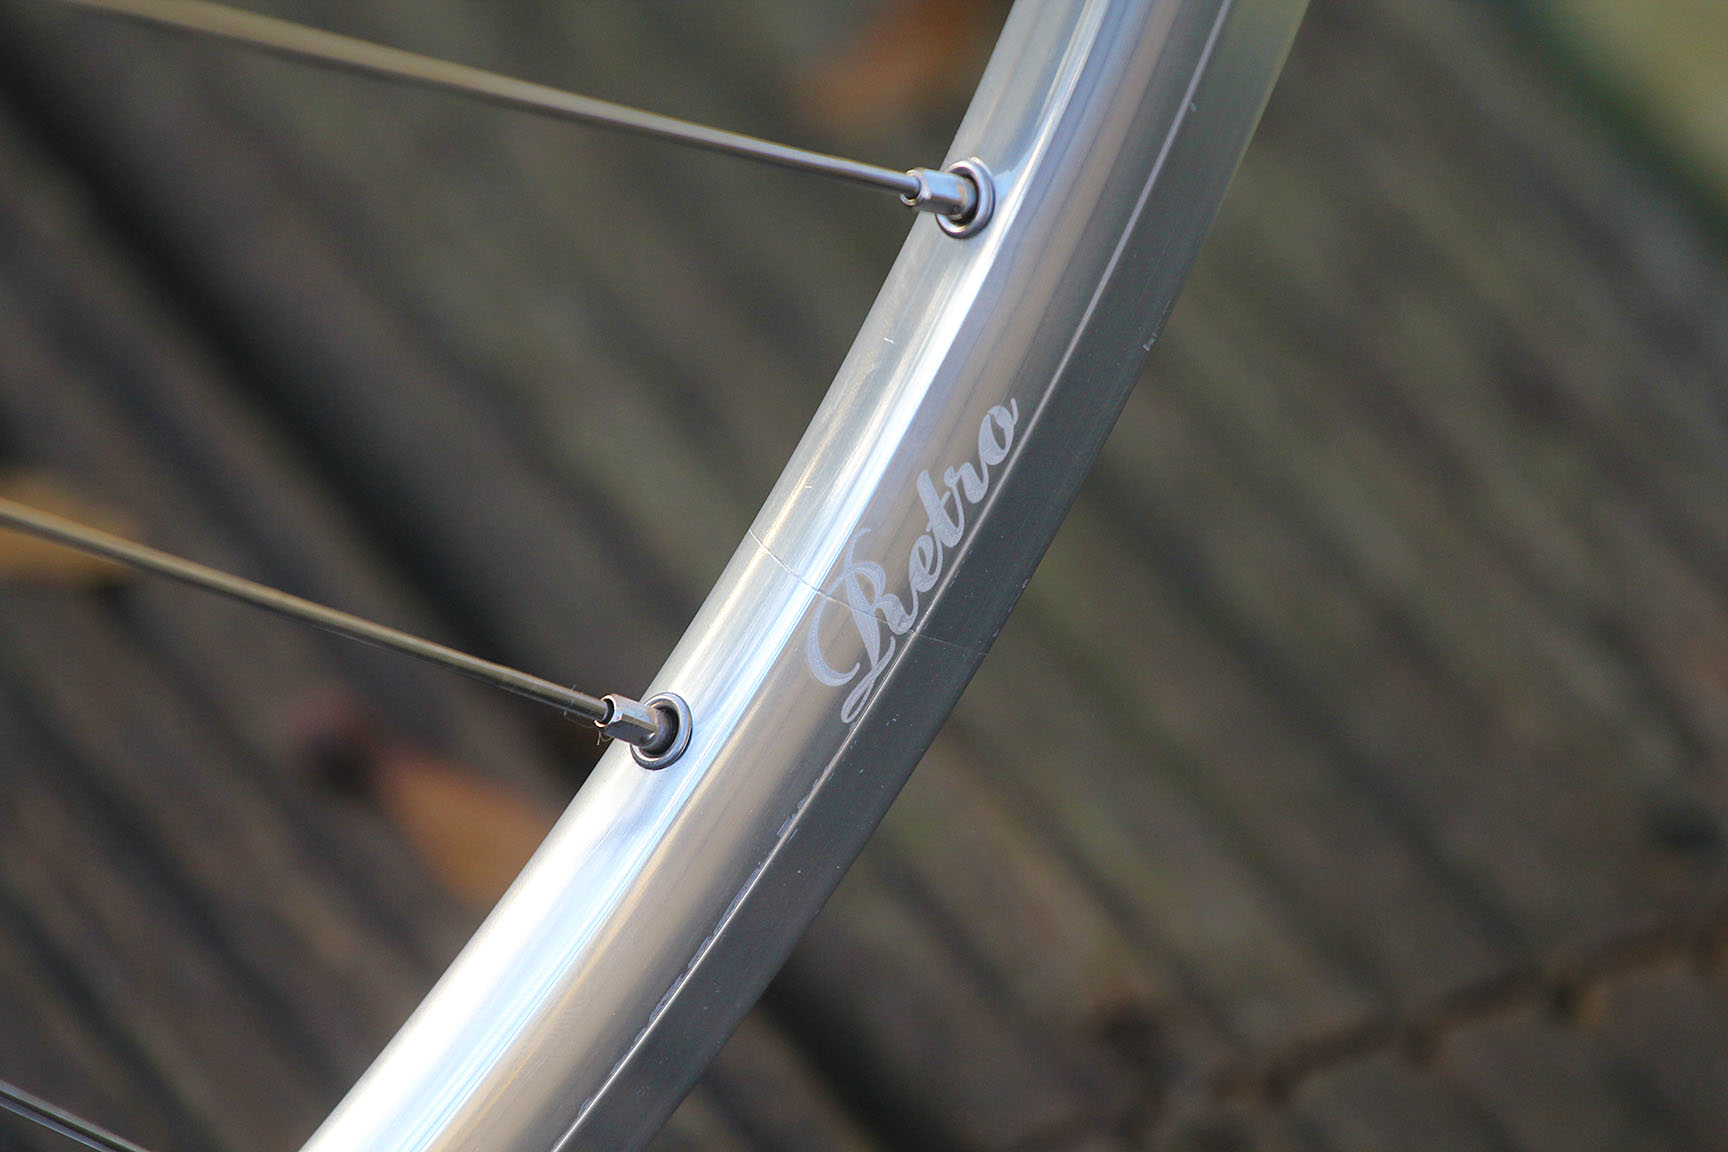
(853, 613)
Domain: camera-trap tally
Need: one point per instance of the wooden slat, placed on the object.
(57, 1047)
(762, 1082)
(1666, 62)
(1270, 789)
(162, 438)
(1057, 957)
(284, 913)
(1385, 1102)
(394, 399)
(896, 1013)
(141, 954)
(1674, 1023)
(1553, 1091)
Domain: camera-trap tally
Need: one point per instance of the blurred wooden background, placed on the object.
(1352, 776)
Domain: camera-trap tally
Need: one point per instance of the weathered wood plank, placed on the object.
(1385, 1102)
(1413, 584)
(310, 323)
(288, 918)
(762, 1083)
(223, 1051)
(1665, 62)
(894, 1012)
(56, 1046)
(136, 412)
(1674, 1023)
(1268, 785)
(957, 845)
(1553, 1089)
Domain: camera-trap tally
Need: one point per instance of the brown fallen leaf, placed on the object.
(26, 559)
(909, 56)
(473, 834)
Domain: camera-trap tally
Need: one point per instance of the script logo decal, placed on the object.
(861, 586)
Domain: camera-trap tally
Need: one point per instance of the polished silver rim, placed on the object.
(858, 606)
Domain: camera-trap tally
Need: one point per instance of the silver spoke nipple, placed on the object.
(962, 196)
(629, 720)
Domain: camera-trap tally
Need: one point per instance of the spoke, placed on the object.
(651, 729)
(960, 197)
(34, 1108)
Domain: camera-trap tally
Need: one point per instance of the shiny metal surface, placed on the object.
(921, 188)
(846, 625)
(961, 197)
(628, 720)
(949, 195)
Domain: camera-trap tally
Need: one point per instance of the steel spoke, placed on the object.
(959, 197)
(56, 1119)
(651, 729)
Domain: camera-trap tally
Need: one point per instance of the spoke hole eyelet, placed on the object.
(658, 755)
(974, 172)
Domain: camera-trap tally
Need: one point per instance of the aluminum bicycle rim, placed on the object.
(852, 615)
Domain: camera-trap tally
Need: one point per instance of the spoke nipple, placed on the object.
(671, 735)
(962, 196)
(629, 721)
